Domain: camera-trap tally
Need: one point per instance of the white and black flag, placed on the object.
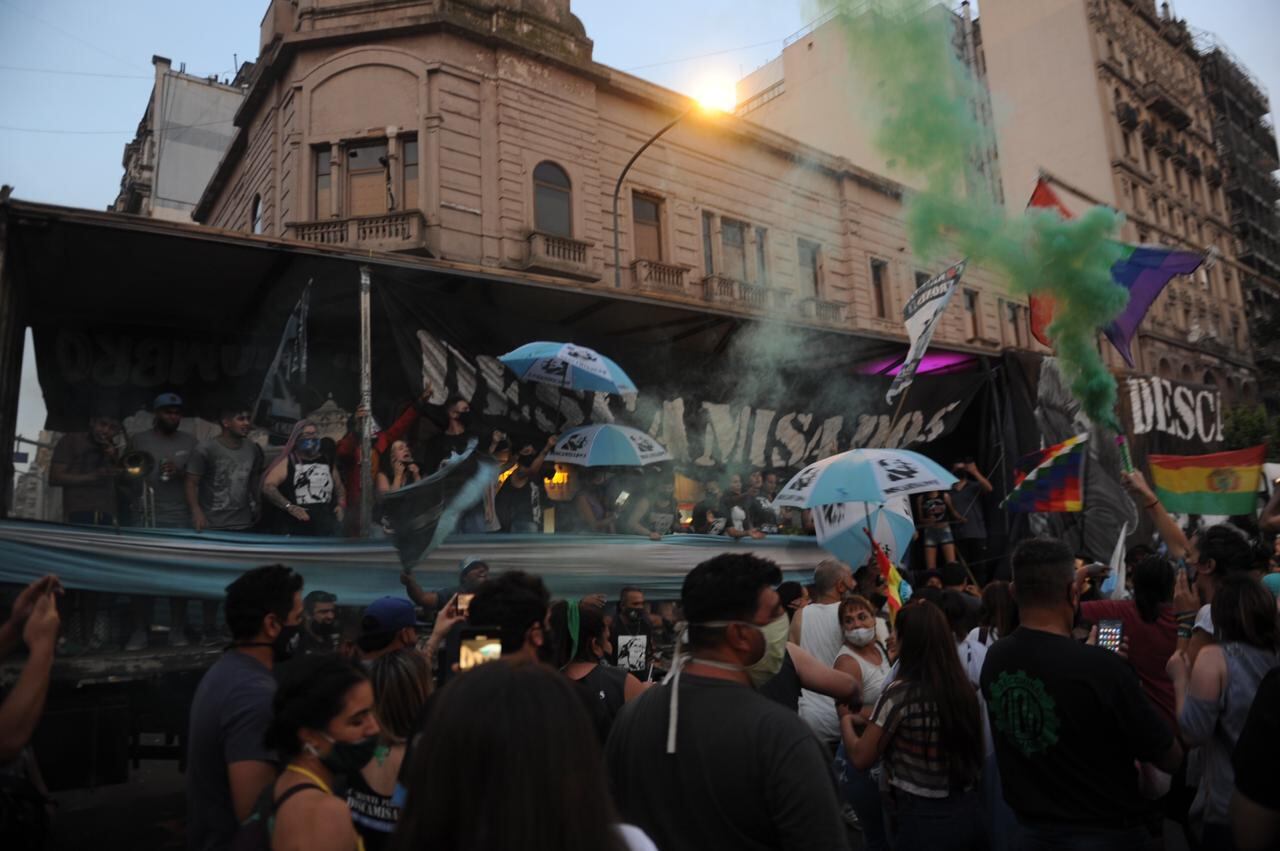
(921, 314)
(277, 408)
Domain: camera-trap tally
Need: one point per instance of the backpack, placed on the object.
(254, 833)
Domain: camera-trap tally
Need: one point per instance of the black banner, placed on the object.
(705, 425)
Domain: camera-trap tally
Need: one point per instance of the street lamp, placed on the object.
(712, 101)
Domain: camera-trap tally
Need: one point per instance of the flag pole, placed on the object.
(366, 399)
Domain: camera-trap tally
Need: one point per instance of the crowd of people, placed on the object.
(311, 486)
(1042, 713)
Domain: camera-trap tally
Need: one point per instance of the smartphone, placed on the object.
(480, 645)
(1109, 634)
(464, 604)
(621, 501)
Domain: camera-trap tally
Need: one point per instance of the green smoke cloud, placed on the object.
(902, 50)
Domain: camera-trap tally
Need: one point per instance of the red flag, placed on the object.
(1043, 306)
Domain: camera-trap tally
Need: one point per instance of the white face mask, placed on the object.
(860, 637)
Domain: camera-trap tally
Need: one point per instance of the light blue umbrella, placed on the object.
(863, 475)
(568, 366)
(607, 446)
(842, 529)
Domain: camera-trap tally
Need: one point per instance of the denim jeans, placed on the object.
(1065, 838)
(999, 816)
(953, 823)
(861, 791)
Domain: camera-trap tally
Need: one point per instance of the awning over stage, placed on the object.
(187, 564)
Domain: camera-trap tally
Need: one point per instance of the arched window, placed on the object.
(255, 215)
(1210, 379)
(1166, 368)
(552, 200)
(1186, 372)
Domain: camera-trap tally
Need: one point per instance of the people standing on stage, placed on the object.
(709, 517)
(304, 486)
(654, 513)
(86, 465)
(222, 477)
(347, 451)
(160, 501)
(967, 494)
(934, 513)
(452, 440)
(519, 499)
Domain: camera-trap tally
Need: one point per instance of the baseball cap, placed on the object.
(469, 564)
(167, 400)
(388, 614)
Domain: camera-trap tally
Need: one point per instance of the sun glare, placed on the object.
(716, 93)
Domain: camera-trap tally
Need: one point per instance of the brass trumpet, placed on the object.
(137, 465)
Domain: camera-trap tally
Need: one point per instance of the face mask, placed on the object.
(286, 642)
(346, 758)
(633, 617)
(860, 637)
(524, 460)
(775, 651)
(464, 418)
(324, 629)
(309, 445)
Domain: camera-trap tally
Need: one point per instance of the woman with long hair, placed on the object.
(322, 727)
(1214, 697)
(1149, 626)
(582, 639)
(926, 731)
(401, 685)
(509, 760)
(998, 614)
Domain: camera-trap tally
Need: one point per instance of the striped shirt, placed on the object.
(915, 759)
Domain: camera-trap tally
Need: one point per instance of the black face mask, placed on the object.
(633, 617)
(464, 418)
(524, 460)
(347, 758)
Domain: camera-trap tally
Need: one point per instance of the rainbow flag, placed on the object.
(1143, 270)
(1221, 483)
(1051, 480)
(892, 579)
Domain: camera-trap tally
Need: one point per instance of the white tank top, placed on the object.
(820, 634)
(873, 676)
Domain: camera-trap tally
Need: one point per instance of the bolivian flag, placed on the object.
(1221, 483)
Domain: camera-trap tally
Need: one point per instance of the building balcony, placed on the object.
(1148, 132)
(1127, 116)
(1161, 100)
(656, 276)
(384, 232)
(722, 290)
(821, 310)
(560, 255)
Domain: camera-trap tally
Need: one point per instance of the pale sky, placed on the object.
(75, 75)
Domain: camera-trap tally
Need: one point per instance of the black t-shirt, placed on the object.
(518, 504)
(761, 514)
(716, 525)
(608, 689)
(1258, 749)
(748, 774)
(784, 687)
(1068, 721)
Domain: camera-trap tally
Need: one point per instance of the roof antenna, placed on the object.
(235, 61)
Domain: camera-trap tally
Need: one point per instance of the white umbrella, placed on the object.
(863, 475)
(607, 445)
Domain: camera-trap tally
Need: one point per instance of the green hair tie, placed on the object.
(572, 619)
